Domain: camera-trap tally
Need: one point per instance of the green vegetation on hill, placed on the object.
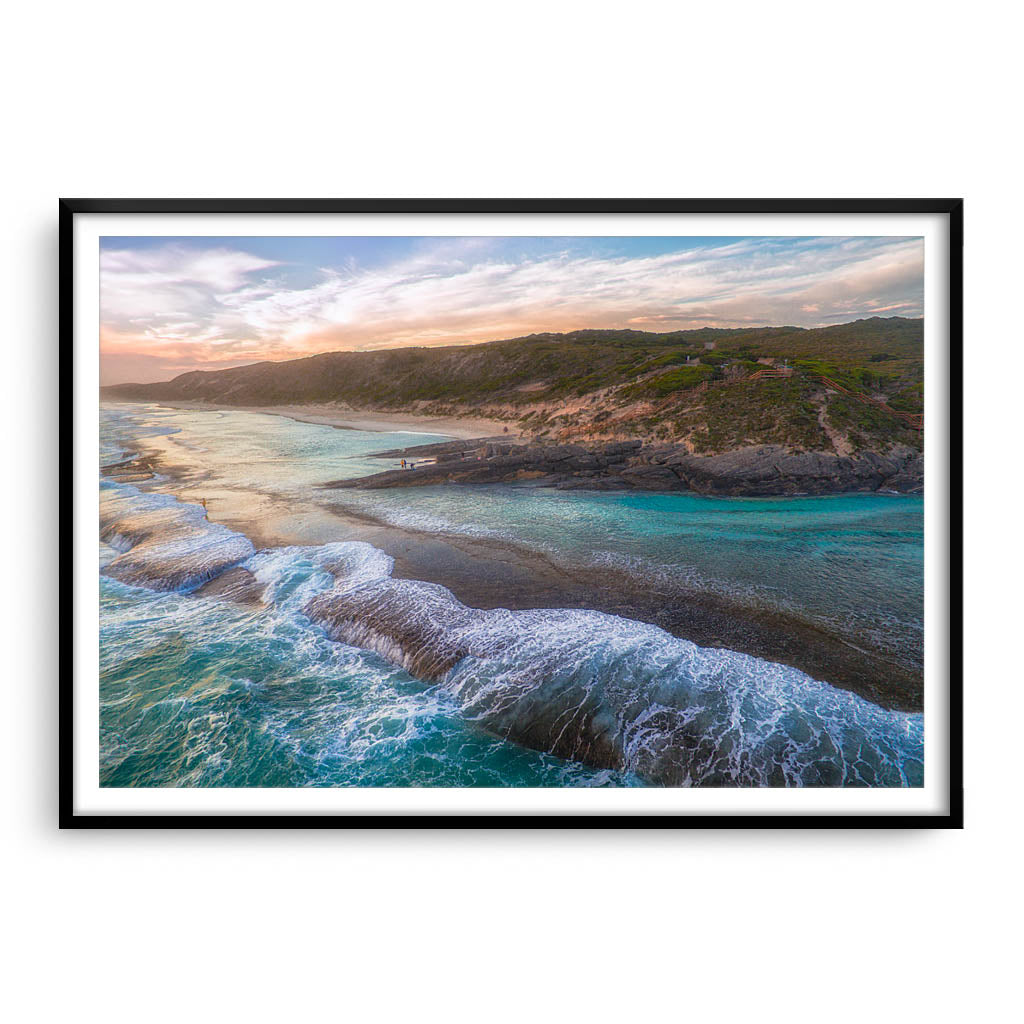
(770, 412)
(671, 380)
(611, 382)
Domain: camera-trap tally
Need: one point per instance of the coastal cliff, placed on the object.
(845, 390)
(753, 411)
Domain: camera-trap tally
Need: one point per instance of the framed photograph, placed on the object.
(511, 512)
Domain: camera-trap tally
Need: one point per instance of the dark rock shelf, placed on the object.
(756, 471)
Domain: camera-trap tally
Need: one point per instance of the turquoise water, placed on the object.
(199, 690)
(853, 562)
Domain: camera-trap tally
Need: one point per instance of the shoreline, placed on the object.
(461, 428)
(487, 573)
(753, 472)
(482, 450)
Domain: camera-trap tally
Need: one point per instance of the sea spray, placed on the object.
(615, 693)
(199, 691)
(582, 685)
(165, 544)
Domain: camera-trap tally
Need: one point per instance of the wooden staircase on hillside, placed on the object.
(912, 421)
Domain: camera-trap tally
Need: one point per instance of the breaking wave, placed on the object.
(165, 544)
(597, 689)
(615, 693)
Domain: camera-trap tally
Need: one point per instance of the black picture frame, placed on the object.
(951, 208)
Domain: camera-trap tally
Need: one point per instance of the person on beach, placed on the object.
(403, 463)
(202, 501)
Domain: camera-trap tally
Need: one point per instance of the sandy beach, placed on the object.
(383, 422)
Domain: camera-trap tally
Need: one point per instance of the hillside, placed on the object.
(842, 389)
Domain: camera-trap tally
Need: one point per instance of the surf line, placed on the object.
(606, 691)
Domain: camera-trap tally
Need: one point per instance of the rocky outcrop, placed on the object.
(772, 470)
(759, 470)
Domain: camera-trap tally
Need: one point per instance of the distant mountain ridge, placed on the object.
(611, 384)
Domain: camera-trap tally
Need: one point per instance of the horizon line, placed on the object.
(521, 337)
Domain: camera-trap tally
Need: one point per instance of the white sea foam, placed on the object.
(165, 544)
(622, 694)
(609, 692)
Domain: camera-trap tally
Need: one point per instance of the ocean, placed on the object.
(313, 665)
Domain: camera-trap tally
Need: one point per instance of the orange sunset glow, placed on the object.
(170, 305)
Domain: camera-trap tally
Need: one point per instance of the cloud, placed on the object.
(188, 308)
(165, 282)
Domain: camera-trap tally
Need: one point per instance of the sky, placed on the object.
(170, 304)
